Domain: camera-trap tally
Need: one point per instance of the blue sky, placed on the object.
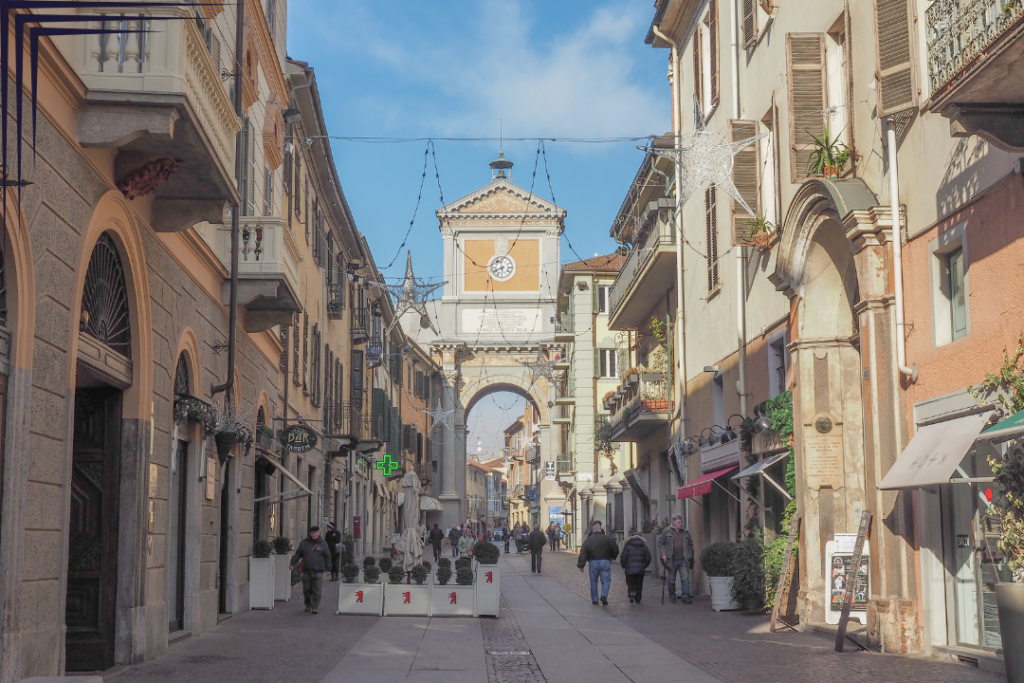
(453, 68)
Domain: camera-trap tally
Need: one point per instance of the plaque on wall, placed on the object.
(494, 320)
(823, 453)
(211, 478)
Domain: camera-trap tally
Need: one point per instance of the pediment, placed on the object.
(501, 198)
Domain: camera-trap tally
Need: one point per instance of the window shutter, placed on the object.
(713, 50)
(897, 90)
(298, 186)
(806, 57)
(749, 23)
(288, 172)
(597, 362)
(250, 204)
(356, 383)
(698, 78)
(711, 223)
(215, 51)
(746, 177)
(268, 191)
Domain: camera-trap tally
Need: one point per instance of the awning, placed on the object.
(636, 482)
(1005, 429)
(703, 484)
(935, 452)
(430, 504)
(300, 492)
(762, 469)
(381, 492)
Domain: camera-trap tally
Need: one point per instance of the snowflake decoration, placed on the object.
(706, 160)
(440, 415)
(411, 294)
(540, 367)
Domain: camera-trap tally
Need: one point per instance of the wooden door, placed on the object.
(92, 528)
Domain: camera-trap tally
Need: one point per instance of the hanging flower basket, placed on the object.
(189, 409)
(225, 442)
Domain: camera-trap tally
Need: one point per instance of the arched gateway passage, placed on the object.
(496, 316)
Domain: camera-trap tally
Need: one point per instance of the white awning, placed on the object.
(759, 467)
(303, 490)
(430, 504)
(934, 453)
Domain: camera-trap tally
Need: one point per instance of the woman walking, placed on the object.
(635, 559)
(466, 542)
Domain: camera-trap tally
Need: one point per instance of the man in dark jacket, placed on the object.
(537, 540)
(635, 559)
(315, 557)
(599, 550)
(436, 536)
(454, 535)
(333, 538)
(675, 547)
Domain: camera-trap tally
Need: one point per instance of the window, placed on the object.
(603, 298)
(807, 97)
(251, 169)
(897, 88)
(305, 352)
(268, 191)
(746, 170)
(705, 61)
(711, 223)
(271, 16)
(777, 364)
(755, 19)
(950, 276)
(836, 80)
(298, 185)
(295, 351)
(609, 362)
(769, 167)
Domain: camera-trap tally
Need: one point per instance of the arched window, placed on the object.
(181, 380)
(105, 298)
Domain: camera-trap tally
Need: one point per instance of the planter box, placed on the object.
(361, 598)
(452, 600)
(1010, 602)
(261, 583)
(721, 594)
(488, 590)
(653, 376)
(407, 600)
(282, 577)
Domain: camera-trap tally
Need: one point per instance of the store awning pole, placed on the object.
(715, 481)
(283, 493)
(777, 485)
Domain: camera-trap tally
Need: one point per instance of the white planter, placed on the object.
(361, 598)
(452, 600)
(407, 600)
(261, 583)
(282, 577)
(488, 590)
(721, 594)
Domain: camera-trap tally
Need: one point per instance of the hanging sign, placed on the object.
(298, 439)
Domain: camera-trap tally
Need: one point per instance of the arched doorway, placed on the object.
(177, 506)
(496, 438)
(104, 372)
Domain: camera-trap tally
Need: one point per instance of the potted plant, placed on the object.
(420, 573)
(1009, 474)
(264, 436)
(760, 232)
(829, 155)
(488, 578)
(261, 576)
(385, 565)
(350, 572)
(447, 600)
(282, 572)
(748, 577)
(406, 599)
(717, 561)
(368, 562)
(361, 598)
(191, 409)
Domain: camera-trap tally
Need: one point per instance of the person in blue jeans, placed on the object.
(599, 550)
(676, 551)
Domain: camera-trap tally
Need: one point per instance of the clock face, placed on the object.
(502, 267)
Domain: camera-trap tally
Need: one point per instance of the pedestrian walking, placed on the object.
(466, 542)
(599, 550)
(435, 535)
(333, 538)
(517, 534)
(537, 540)
(635, 559)
(551, 535)
(675, 547)
(507, 537)
(453, 536)
(558, 536)
(313, 558)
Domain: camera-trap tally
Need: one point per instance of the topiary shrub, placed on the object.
(395, 574)
(748, 573)
(350, 572)
(486, 552)
(371, 574)
(282, 545)
(463, 563)
(369, 562)
(444, 575)
(419, 574)
(464, 577)
(717, 558)
(385, 565)
(444, 562)
(426, 565)
(261, 549)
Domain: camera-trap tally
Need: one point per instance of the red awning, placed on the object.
(701, 486)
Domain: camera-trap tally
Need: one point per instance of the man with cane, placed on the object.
(675, 548)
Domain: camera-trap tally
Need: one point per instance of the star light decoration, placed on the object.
(705, 160)
(540, 367)
(440, 415)
(411, 294)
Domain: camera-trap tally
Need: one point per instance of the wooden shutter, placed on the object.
(250, 204)
(268, 191)
(749, 23)
(698, 72)
(805, 54)
(897, 90)
(215, 50)
(356, 382)
(746, 177)
(711, 223)
(713, 51)
(298, 185)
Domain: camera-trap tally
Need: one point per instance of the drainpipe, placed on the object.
(741, 252)
(241, 144)
(897, 256)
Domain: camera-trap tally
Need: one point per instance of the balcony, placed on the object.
(347, 420)
(562, 414)
(335, 299)
(268, 269)
(360, 324)
(158, 99)
(564, 331)
(641, 404)
(649, 271)
(974, 54)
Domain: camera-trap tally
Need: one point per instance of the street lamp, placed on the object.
(729, 434)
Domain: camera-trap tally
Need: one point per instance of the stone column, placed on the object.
(449, 487)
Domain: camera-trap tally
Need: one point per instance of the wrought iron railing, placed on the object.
(961, 31)
(360, 324)
(659, 234)
(335, 299)
(641, 393)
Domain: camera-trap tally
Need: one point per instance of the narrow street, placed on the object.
(548, 631)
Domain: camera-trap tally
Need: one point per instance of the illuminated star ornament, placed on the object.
(411, 294)
(440, 415)
(705, 160)
(540, 367)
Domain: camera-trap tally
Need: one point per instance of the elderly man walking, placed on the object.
(675, 547)
(599, 550)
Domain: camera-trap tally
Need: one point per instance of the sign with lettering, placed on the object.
(491, 320)
(823, 453)
(298, 439)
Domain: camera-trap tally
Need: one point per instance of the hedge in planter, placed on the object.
(444, 574)
(262, 549)
(486, 552)
(419, 573)
(371, 574)
(463, 562)
(464, 576)
(395, 574)
(444, 562)
(426, 565)
(717, 559)
(369, 562)
(748, 573)
(282, 545)
(350, 572)
(385, 565)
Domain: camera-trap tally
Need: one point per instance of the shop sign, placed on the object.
(298, 439)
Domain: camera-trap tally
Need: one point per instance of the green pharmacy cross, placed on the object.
(387, 465)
